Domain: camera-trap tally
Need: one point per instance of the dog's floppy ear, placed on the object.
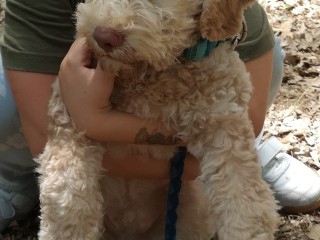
(222, 19)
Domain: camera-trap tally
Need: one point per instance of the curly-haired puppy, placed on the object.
(205, 102)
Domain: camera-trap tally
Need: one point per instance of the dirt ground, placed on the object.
(294, 118)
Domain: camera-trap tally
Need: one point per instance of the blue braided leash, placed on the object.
(195, 53)
(177, 164)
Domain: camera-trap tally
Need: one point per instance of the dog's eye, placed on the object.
(165, 31)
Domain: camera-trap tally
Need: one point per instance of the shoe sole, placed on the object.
(301, 209)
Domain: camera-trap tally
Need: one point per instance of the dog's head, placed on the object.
(155, 32)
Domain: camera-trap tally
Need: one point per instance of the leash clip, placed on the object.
(241, 36)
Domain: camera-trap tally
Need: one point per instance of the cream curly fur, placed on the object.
(206, 102)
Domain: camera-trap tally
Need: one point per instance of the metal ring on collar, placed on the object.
(241, 36)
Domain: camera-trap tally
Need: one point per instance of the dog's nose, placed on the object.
(107, 38)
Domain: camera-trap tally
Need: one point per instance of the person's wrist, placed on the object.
(94, 119)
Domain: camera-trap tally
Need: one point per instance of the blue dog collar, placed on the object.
(204, 47)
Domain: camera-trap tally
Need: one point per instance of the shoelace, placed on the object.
(177, 165)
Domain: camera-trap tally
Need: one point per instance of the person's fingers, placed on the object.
(99, 72)
(104, 75)
(78, 54)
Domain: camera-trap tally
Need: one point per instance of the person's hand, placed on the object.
(86, 91)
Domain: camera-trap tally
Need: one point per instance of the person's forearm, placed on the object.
(260, 70)
(126, 128)
(139, 167)
(31, 93)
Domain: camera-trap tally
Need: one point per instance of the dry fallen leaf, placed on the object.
(314, 233)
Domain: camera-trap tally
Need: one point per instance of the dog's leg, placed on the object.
(194, 222)
(240, 201)
(70, 196)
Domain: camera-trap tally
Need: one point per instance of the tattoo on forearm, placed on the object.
(143, 137)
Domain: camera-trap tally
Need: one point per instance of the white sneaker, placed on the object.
(17, 205)
(295, 185)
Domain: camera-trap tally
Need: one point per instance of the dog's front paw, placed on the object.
(222, 19)
(218, 29)
(253, 220)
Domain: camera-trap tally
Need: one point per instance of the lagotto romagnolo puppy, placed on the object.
(205, 102)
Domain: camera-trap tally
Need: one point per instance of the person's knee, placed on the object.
(9, 118)
(277, 73)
